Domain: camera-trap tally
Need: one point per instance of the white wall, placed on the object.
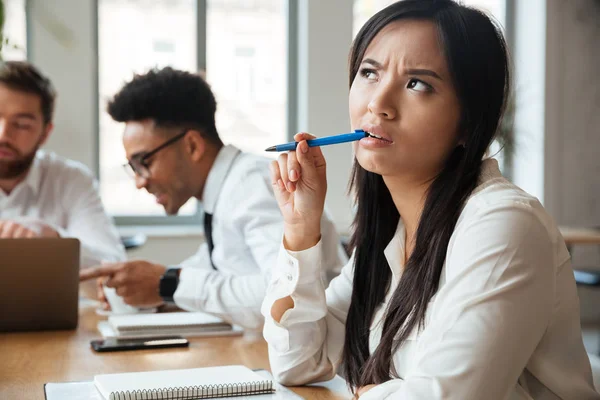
(572, 181)
(62, 45)
(558, 119)
(528, 55)
(325, 36)
(573, 117)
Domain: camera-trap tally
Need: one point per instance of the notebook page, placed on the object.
(183, 378)
(153, 321)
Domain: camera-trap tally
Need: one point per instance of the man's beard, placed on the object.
(10, 169)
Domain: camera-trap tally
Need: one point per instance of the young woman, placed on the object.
(460, 286)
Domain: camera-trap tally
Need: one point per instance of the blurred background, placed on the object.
(279, 66)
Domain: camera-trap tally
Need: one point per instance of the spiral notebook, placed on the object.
(184, 384)
(88, 391)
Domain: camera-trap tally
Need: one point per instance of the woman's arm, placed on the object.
(305, 337)
(305, 345)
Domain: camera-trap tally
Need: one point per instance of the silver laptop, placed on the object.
(39, 284)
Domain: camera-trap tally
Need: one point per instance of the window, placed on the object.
(134, 36)
(246, 67)
(245, 46)
(15, 30)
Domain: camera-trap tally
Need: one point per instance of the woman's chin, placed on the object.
(371, 164)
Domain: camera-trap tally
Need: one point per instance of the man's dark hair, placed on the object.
(24, 77)
(169, 97)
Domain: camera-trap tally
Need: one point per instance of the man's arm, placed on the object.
(250, 207)
(88, 221)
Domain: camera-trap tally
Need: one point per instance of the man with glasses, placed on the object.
(175, 153)
(42, 194)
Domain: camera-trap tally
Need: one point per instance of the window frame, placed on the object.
(291, 8)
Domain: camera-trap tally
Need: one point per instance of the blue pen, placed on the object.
(324, 141)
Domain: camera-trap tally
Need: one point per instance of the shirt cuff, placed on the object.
(384, 390)
(288, 263)
(185, 295)
(297, 274)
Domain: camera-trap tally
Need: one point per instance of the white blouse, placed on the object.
(504, 323)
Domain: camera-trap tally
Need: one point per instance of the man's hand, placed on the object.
(48, 232)
(136, 282)
(100, 294)
(13, 230)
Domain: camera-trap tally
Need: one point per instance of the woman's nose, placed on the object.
(384, 101)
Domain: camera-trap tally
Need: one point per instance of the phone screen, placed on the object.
(113, 344)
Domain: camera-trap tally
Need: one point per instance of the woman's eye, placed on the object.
(368, 73)
(418, 85)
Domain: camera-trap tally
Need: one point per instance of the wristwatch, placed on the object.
(168, 284)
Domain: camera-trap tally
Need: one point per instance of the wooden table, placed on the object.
(28, 360)
(577, 236)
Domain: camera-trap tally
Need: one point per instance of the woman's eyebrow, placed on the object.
(420, 71)
(374, 63)
(412, 71)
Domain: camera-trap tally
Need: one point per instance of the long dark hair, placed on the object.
(477, 58)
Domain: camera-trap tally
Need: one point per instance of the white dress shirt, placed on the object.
(504, 323)
(63, 194)
(247, 229)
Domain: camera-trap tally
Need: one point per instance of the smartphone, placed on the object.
(113, 344)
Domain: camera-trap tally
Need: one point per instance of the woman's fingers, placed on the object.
(300, 136)
(293, 170)
(275, 175)
(311, 160)
(276, 180)
(283, 171)
(293, 167)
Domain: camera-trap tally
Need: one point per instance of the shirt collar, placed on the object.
(394, 251)
(489, 170)
(33, 179)
(216, 177)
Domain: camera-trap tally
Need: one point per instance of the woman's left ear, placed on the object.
(195, 145)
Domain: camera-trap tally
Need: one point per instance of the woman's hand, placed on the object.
(300, 184)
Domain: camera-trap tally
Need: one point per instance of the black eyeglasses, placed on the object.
(138, 165)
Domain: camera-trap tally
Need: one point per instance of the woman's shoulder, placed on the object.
(500, 207)
(494, 192)
(500, 225)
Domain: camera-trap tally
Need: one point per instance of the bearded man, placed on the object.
(42, 194)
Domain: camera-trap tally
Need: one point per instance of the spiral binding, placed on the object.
(197, 392)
